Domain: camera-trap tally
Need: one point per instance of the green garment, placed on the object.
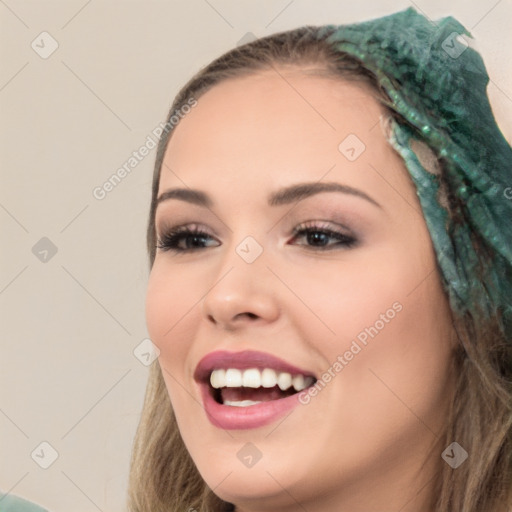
(437, 88)
(10, 503)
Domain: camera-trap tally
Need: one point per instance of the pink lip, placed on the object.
(254, 416)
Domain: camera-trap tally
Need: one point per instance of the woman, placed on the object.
(330, 289)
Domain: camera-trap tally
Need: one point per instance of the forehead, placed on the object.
(277, 127)
(278, 108)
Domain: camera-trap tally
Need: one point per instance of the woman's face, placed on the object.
(354, 301)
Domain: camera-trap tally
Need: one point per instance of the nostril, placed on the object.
(250, 315)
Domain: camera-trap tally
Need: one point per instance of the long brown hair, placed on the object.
(163, 477)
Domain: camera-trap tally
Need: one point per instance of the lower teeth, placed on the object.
(244, 397)
(242, 403)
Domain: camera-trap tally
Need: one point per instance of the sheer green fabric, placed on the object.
(11, 503)
(437, 85)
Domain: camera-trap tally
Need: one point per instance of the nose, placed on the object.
(241, 293)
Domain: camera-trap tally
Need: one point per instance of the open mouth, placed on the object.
(244, 388)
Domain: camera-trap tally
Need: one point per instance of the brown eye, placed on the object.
(192, 238)
(318, 236)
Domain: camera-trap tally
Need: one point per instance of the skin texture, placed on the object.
(361, 444)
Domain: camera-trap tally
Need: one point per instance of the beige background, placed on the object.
(68, 374)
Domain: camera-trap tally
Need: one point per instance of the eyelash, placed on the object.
(169, 240)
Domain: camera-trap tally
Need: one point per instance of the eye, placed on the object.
(192, 238)
(318, 235)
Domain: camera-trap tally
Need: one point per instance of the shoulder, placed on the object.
(10, 503)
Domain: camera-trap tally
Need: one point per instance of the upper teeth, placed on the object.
(254, 378)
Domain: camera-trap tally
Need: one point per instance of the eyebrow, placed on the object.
(280, 197)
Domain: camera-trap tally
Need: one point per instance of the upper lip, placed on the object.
(243, 361)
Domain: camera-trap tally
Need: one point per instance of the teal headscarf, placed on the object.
(437, 84)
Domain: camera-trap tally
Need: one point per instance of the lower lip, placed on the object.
(253, 416)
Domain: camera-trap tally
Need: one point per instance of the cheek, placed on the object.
(349, 295)
(170, 299)
(159, 305)
(392, 332)
(387, 312)
(398, 317)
